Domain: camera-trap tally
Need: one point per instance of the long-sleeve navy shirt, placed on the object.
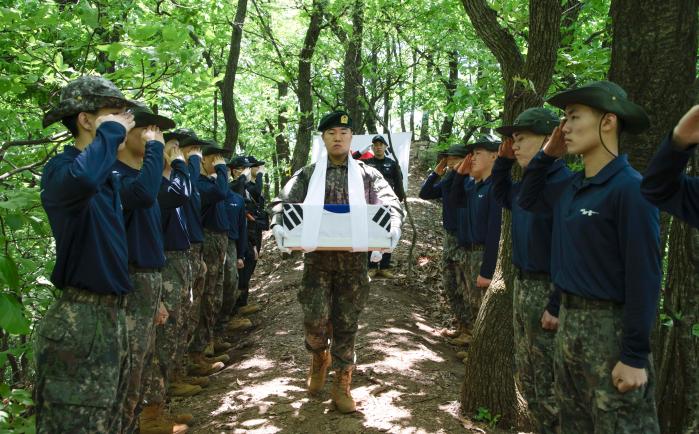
(80, 194)
(139, 197)
(238, 229)
(436, 187)
(213, 204)
(192, 209)
(174, 194)
(479, 218)
(667, 186)
(605, 242)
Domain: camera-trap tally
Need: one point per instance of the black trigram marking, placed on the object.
(383, 218)
(293, 215)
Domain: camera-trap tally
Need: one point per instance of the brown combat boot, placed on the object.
(209, 349)
(153, 421)
(198, 381)
(201, 367)
(183, 389)
(464, 339)
(249, 309)
(387, 274)
(340, 394)
(318, 372)
(238, 323)
(222, 346)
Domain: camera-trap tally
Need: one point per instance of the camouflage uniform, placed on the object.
(230, 283)
(335, 285)
(454, 277)
(215, 244)
(141, 307)
(534, 351)
(176, 278)
(587, 347)
(198, 267)
(82, 362)
(473, 296)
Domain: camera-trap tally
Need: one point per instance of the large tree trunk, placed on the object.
(281, 156)
(654, 53)
(305, 131)
(490, 354)
(447, 128)
(354, 81)
(228, 84)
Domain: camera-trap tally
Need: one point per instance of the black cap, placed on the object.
(379, 138)
(143, 117)
(455, 151)
(239, 161)
(538, 120)
(255, 162)
(334, 119)
(210, 147)
(488, 142)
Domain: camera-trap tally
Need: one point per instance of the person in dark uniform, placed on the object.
(390, 170)
(81, 348)
(437, 186)
(665, 183)
(606, 260)
(534, 320)
(478, 220)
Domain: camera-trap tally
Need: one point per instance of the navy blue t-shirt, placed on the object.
(238, 225)
(174, 194)
(436, 187)
(213, 204)
(80, 194)
(192, 209)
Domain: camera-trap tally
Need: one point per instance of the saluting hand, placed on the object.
(505, 150)
(218, 160)
(482, 282)
(152, 132)
(626, 378)
(162, 315)
(548, 321)
(556, 145)
(686, 132)
(464, 168)
(192, 150)
(441, 167)
(125, 119)
(240, 265)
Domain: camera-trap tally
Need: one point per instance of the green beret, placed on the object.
(335, 119)
(86, 94)
(538, 120)
(488, 142)
(143, 116)
(608, 97)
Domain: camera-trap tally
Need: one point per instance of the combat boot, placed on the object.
(209, 349)
(249, 309)
(387, 274)
(318, 372)
(238, 323)
(222, 346)
(464, 339)
(461, 355)
(372, 272)
(340, 394)
(223, 358)
(152, 421)
(185, 418)
(183, 389)
(200, 367)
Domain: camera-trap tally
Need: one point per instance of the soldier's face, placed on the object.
(87, 121)
(482, 162)
(208, 163)
(581, 128)
(453, 161)
(337, 141)
(237, 171)
(525, 145)
(379, 149)
(134, 142)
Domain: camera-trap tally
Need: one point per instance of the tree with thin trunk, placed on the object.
(227, 99)
(526, 80)
(354, 80)
(654, 54)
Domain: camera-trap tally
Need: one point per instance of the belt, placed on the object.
(76, 295)
(533, 275)
(570, 301)
(135, 269)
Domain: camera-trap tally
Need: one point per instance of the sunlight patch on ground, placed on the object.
(260, 363)
(380, 412)
(392, 342)
(419, 201)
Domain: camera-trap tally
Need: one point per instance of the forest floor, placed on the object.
(407, 378)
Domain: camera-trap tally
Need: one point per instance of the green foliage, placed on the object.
(484, 415)
(13, 405)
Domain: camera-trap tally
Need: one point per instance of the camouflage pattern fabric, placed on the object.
(176, 276)
(183, 259)
(215, 244)
(473, 296)
(534, 352)
(335, 288)
(230, 283)
(82, 355)
(454, 277)
(587, 347)
(335, 285)
(141, 307)
(85, 94)
(196, 262)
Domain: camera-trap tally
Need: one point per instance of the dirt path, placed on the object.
(407, 378)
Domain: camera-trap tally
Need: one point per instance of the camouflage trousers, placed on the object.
(453, 277)
(534, 352)
(82, 358)
(334, 290)
(472, 295)
(230, 283)
(192, 307)
(215, 244)
(587, 347)
(176, 282)
(141, 306)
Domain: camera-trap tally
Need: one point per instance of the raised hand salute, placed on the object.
(686, 132)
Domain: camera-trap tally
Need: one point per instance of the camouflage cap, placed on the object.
(86, 94)
(143, 117)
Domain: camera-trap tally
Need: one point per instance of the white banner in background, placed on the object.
(362, 143)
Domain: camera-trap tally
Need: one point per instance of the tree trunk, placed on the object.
(228, 84)
(447, 128)
(305, 131)
(654, 53)
(490, 354)
(425, 126)
(354, 81)
(281, 160)
(413, 85)
(215, 132)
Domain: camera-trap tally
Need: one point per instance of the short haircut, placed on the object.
(71, 122)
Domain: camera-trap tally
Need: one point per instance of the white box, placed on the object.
(336, 227)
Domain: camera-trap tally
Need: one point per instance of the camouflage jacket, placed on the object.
(376, 190)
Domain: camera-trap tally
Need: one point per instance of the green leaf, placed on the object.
(8, 272)
(12, 315)
(15, 221)
(695, 330)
